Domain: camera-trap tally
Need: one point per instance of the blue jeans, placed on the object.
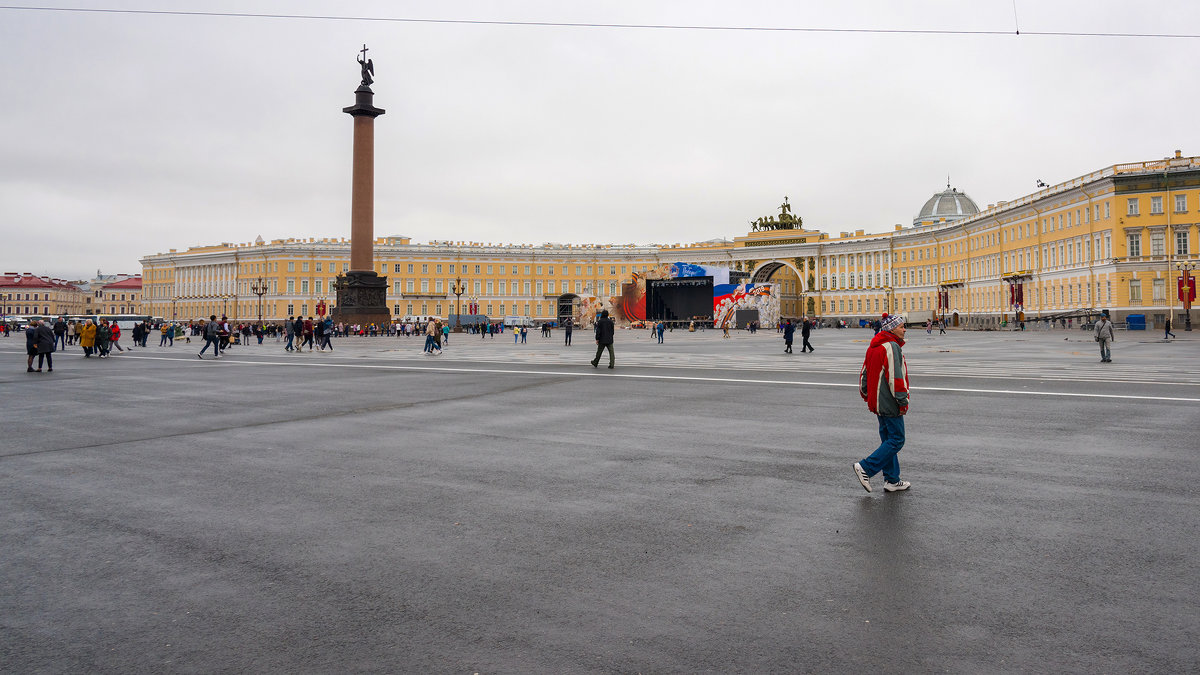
(891, 435)
(290, 338)
(1104, 351)
(211, 342)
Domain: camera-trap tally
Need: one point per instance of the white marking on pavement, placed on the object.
(639, 376)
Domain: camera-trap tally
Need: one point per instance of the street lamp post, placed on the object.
(174, 299)
(259, 288)
(457, 289)
(1187, 290)
(225, 306)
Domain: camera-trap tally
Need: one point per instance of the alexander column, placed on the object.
(361, 292)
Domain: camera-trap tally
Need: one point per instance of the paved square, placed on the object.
(509, 509)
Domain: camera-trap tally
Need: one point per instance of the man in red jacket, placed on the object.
(883, 384)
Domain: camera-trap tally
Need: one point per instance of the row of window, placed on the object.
(1133, 205)
(1158, 243)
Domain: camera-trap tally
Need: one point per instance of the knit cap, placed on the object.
(892, 321)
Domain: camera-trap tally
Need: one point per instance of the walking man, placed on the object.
(805, 330)
(1104, 335)
(289, 329)
(1166, 327)
(883, 384)
(60, 332)
(604, 339)
(212, 337)
(789, 332)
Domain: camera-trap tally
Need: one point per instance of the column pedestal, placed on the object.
(362, 299)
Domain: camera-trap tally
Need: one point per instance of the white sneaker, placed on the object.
(862, 476)
(898, 486)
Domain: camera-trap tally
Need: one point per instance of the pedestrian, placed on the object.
(164, 330)
(212, 336)
(942, 327)
(328, 330)
(47, 340)
(660, 327)
(87, 338)
(789, 332)
(1104, 335)
(568, 326)
(604, 340)
(31, 344)
(103, 338)
(806, 329)
(1166, 327)
(298, 332)
(289, 330)
(883, 384)
(115, 330)
(524, 334)
(60, 332)
(308, 334)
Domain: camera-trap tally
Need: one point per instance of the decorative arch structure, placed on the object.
(763, 273)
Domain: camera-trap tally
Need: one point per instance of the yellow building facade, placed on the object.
(1111, 239)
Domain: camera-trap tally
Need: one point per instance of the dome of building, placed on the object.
(945, 207)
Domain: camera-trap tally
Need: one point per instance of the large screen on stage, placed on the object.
(679, 299)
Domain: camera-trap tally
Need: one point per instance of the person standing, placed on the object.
(805, 329)
(1166, 327)
(1104, 335)
(789, 332)
(47, 340)
(212, 337)
(60, 332)
(568, 326)
(660, 328)
(289, 330)
(883, 384)
(87, 338)
(31, 344)
(604, 340)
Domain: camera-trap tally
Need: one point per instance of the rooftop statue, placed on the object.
(367, 66)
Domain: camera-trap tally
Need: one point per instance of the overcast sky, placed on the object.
(126, 135)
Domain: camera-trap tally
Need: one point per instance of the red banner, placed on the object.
(1187, 288)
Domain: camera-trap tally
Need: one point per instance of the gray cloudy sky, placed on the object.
(125, 135)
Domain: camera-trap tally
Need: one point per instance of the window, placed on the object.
(452, 269)
(1107, 210)
(477, 269)
(410, 271)
(1159, 290)
(1135, 245)
(317, 286)
(1135, 291)
(291, 267)
(1181, 242)
(1158, 243)
(424, 286)
(1156, 205)
(438, 270)
(1180, 203)
(303, 267)
(526, 271)
(304, 287)
(291, 288)
(408, 288)
(437, 286)
(396, 291)
(1131, 206)
(425, 269)
(291, 309)
(489, 272)
(319, 267)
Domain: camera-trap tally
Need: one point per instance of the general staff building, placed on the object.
(1113, 239)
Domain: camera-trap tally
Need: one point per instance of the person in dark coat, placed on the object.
(45, 346)
(789, 331)
(30, 344)
(805, 329)
(604, 339)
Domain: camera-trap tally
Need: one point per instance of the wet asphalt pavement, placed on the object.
(509, 509)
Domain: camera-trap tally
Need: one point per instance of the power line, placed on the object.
(564, 24)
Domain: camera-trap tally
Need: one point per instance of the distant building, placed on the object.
(31, 295)
(1109, 239)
